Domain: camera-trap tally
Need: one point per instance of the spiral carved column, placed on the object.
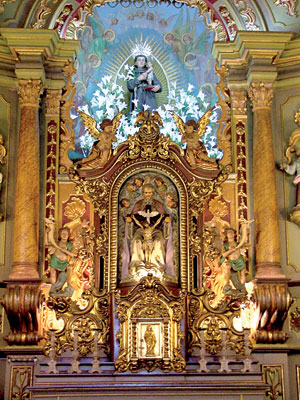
(23, 296)
(272, 293)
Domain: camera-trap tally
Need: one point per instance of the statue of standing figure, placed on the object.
(150, 341)
(143, 86)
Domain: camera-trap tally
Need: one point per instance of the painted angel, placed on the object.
(192, 132)
(102, 147)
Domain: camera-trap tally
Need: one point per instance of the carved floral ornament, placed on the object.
(30, 92)
(53, 98)
(290, 6)
(261, 95)
(239, 101)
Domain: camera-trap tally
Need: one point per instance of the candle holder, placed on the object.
(75, 355)
(52, 354)
(247, 360)
(202, 360)
(224, 361)
(96, 354)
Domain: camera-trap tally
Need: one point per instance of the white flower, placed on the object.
(201, 95)
(85, 109)
(99, 114)
(135, 102)
(106, 79)
(190, 87)
(146, 107)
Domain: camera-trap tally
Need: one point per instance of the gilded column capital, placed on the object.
(261, 95)
(53, 97)
(30, 91)
(239, 101)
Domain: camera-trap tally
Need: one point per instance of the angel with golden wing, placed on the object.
(191, 132)
(102, 147)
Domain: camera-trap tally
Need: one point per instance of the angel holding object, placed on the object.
(60, 260)
(228, 269)
(102, 147)
(191, 133)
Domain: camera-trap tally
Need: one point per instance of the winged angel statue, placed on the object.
(101, 151)
(191, 132)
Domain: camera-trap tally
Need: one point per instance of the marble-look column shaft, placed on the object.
(26, 222)
(267, 243)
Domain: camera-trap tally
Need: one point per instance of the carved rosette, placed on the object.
(94, 315)
(22, 304)
(261, 95)
(150, 304)
(273, 300)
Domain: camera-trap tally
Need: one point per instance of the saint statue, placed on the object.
(150, 341)
(148, 243)
(143, 86)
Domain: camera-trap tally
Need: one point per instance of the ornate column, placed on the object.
(267, 243)
(26, 222)
(23, 297)
(27, 51)
(272, 292)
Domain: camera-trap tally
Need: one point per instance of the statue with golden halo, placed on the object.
(144, 84)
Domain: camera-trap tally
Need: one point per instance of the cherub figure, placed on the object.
(191, 132)
(101, 151)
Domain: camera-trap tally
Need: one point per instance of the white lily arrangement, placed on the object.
(108, 100)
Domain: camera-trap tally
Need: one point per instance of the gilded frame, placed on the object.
(130, 170)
